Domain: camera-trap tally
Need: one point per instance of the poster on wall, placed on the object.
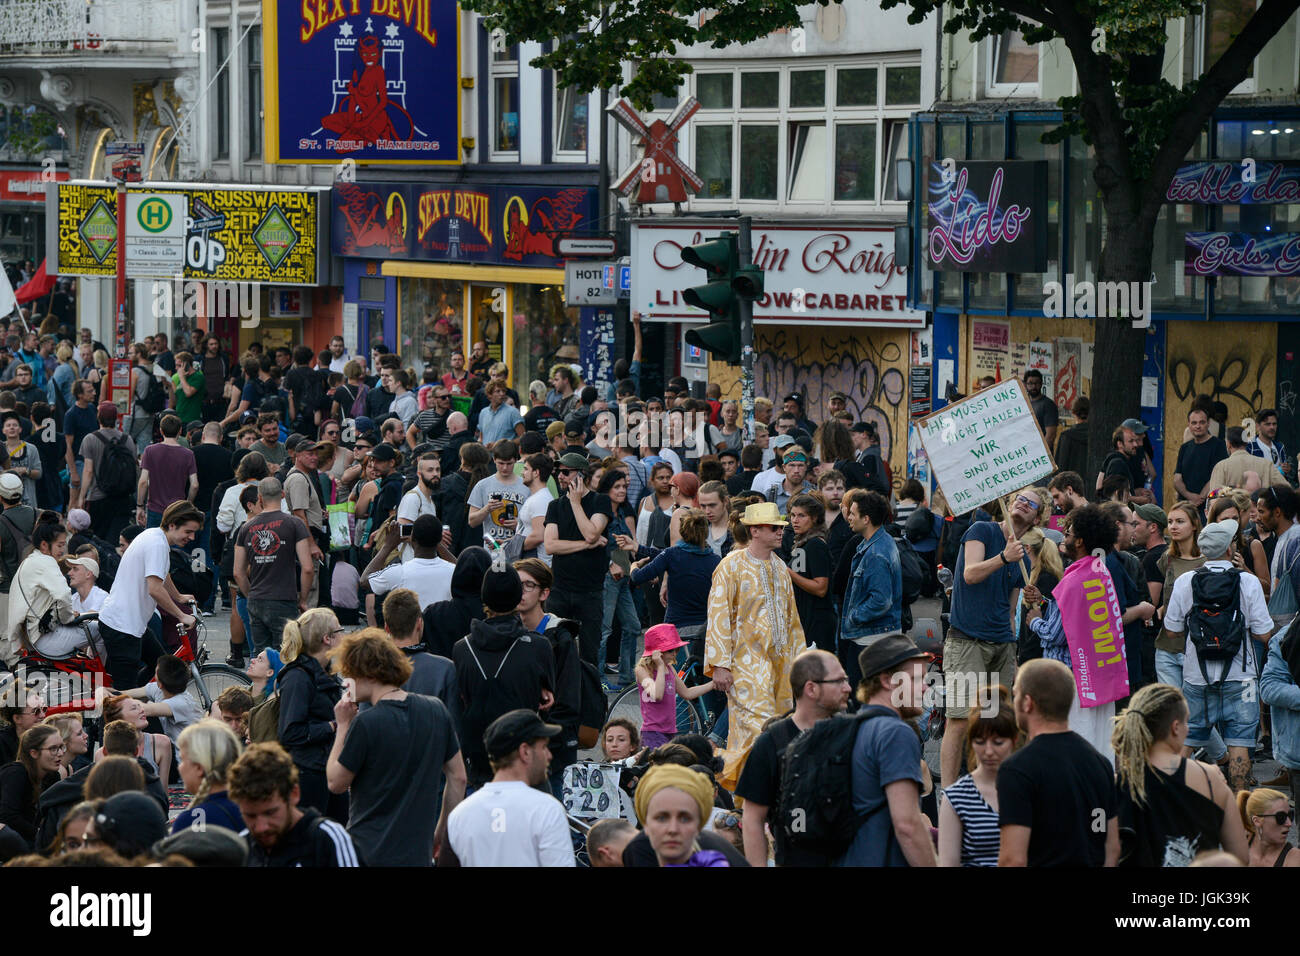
(597, 337)
(918, 463)
(1018, 361)
(373, 82)
(990, 349)
(1065, 385)
(1040, 360)
(987, 216)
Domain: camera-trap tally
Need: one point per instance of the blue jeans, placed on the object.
(1227, 705)
(1169, 670)
(618, 600)
(241, 608)
(141, 432)
(268, 619)
(152, 519)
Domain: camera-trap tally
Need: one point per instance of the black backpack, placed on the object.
(815, 810)
(117, 472)
(592, 707)
(913, 565)
(490, 701)
(155, 396)
(1215, 625)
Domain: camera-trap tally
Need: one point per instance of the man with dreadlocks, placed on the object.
(1174, 808)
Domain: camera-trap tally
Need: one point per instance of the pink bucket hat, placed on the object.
(663, 637)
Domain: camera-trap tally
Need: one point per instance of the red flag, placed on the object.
(34, 288)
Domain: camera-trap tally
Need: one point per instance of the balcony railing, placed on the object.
(87, 27)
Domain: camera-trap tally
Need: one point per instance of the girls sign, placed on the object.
(1094, 631)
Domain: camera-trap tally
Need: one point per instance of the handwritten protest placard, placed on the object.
(986, 446)
(591, 790)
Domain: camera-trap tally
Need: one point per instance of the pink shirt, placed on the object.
(661, 714)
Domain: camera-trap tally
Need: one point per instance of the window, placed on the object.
(571, 122)
(503, 92)
(1013, 66)
(1220, 24)
(221, 50)
(253, 115)
(803, 136)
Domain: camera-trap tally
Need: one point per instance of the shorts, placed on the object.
(971, 668)
(1232, 706)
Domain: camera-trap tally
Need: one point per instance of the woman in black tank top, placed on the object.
(1268, 817)
(1170, 809)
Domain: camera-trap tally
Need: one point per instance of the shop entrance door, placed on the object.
(488, 310)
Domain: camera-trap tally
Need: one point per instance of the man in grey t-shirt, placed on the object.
(494, 502)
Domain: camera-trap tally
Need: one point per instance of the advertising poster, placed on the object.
(1065, 384)
(376, 82)
(990, 348)
(1040, 360)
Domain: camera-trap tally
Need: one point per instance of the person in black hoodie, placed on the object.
(475, 463)
(120, 740)
(446, 622)
(265, 784)
(308, 693)
(500, 666)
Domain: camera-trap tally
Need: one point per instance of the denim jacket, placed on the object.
(874, 602)
(1279, 691)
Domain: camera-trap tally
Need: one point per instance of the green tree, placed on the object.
(1140, 125)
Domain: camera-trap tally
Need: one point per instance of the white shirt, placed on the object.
(412, 505)
(765, 481)
(509, 823)
(93, 602)
(130, 605)
(1279, 551)
(530, 509)
(1253, 607)
(429, 578)
(670, 456)
(231, 514)
(336, 364)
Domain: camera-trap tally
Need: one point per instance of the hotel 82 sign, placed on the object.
(374, 80)
(987, 216)
(251, 234)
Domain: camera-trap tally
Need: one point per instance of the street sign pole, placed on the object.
(746, 338)
(120, 312)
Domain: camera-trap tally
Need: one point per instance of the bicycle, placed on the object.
(693, 716)
(207, 681)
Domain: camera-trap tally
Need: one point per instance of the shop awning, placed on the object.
(473, 273)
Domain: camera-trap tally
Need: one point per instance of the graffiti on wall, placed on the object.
(868, 371)
(1239, 374)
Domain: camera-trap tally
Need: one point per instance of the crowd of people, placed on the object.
(437, 584)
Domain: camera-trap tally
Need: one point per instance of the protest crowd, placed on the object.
(616, 621)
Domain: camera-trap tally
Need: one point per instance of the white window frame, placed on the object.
(787, 119)
(502, 69)
(1199, 66)
(1021, 90)
(565, 155)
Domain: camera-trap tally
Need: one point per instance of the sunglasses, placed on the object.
(1033, 503)
(1281, 817)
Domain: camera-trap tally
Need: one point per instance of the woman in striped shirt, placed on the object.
(968, 813)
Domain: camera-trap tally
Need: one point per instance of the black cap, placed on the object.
(384, 452)
(867, 427)
(513, 728)
(206, 846)
(888, 652)
(794, 397)
(502, 590)
(131, 822)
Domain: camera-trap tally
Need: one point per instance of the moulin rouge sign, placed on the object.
(987, 216)
(814, 275)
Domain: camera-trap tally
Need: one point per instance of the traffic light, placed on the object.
(729, 282)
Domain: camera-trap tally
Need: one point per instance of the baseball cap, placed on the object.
(204, 846)
(305, 445)
(888, 652)
(11, 486)
(574, 460)
(794, 397)
(1133, 425)
(866, 427)
(780, 441)
(384, 452)
(554, 428)
(1153, 513)
(106, 407)
(513, 728)
(131, 822)
(90, 564)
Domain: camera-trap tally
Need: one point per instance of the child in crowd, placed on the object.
(659, 692)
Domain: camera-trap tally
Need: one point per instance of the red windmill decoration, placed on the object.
(660, 173)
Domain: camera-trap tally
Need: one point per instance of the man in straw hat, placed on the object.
(753, 636)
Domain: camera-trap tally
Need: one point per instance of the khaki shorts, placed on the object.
(972, 671)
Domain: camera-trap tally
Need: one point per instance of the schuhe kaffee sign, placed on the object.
(816, 275)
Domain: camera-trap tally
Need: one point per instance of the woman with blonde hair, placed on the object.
(75, 738)
(1045, 572)
(1267, 816)
(308, 693)
(1169, 811)
(65, 373)
(207, 751)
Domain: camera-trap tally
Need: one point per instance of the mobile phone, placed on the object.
(404, 530)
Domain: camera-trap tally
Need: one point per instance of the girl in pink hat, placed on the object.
(659, 691)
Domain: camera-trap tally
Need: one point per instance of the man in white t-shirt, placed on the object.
(143, 584)
(537, 833)
(1222, 693)
(87, 597)
(532, 515)
(428, 575)
(422, 499)
(494, 502)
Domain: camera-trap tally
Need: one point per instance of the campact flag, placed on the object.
(1094, 631)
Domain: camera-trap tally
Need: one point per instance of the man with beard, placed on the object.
(1045, 410)
(886, 759)
(422, 499)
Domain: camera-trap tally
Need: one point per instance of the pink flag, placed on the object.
(1094, 631)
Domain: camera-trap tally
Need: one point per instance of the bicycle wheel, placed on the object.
(216, 678)
(627, 705)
